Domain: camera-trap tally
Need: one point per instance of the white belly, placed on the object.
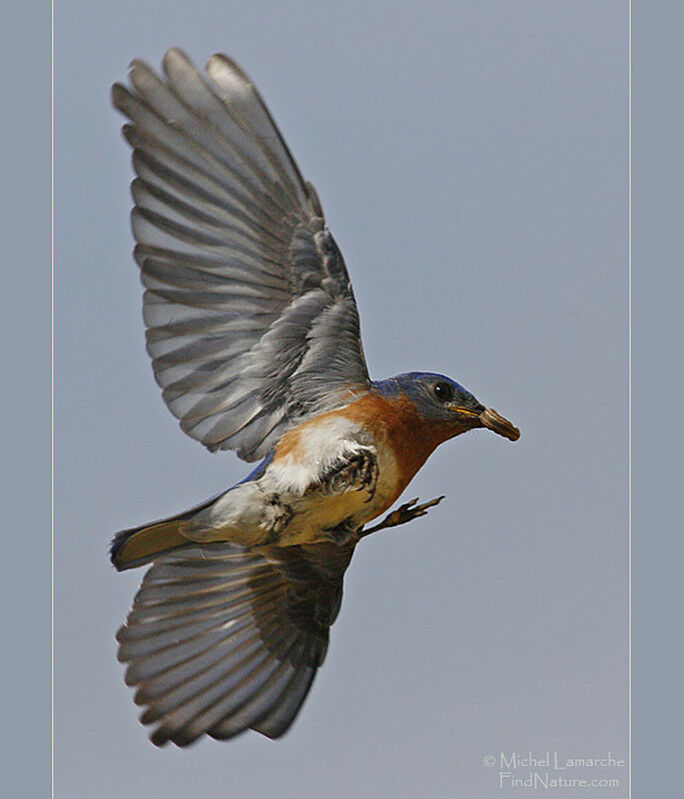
(286, 504)
(314, 510)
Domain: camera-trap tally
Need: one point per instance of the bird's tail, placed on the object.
(140, 545)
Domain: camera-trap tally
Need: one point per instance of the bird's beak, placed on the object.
(491, 419)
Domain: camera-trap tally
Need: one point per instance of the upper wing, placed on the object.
(221, 639)
(251, 320)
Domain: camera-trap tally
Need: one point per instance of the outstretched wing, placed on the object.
(221, 639)
(251, 320)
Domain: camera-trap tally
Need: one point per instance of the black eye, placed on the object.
(443, 391)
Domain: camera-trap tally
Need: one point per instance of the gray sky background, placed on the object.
(471, 160)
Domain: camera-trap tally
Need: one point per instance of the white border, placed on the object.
(629, 398)
(52, 396)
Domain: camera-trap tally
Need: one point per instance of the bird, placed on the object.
(254, 336)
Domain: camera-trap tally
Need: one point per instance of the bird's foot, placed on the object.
(357, 473)
(405, 513)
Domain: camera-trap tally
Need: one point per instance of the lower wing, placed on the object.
(221, 639)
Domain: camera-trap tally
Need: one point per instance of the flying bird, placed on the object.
(254, 337)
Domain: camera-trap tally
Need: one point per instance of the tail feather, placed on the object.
(140, 545)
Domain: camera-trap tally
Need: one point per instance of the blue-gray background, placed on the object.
(471, 158)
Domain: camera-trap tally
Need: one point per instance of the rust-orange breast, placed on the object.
(396, 423)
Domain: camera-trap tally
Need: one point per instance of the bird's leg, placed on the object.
(405, 513)
(343, 534)
(356, 473)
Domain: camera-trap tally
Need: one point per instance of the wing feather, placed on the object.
(251, 320)
(221, 639)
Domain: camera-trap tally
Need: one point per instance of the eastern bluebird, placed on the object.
(254, 337)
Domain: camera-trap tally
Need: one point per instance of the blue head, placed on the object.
(442, 400)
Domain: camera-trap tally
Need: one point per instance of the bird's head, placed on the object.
(441, 400)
